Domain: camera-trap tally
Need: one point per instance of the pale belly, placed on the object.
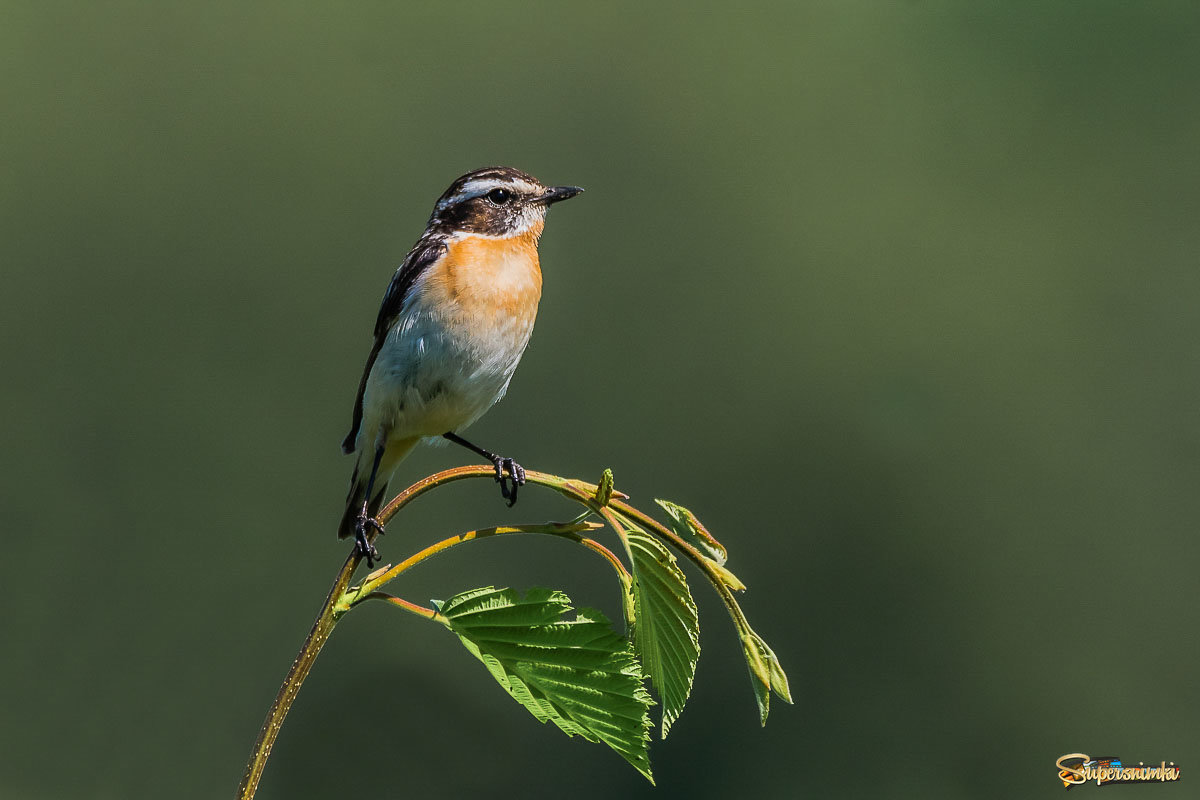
(428, 380)
(451, 354)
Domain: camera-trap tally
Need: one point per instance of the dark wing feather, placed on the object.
(426, 252)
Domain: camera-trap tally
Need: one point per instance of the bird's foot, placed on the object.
(361, 544)
(517, 473)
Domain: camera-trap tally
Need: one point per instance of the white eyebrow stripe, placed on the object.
(481, 186)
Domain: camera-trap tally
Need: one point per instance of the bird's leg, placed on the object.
(364, 547)
(501, 463)
(365, 520)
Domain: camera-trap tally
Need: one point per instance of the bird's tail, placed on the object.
(392, 456)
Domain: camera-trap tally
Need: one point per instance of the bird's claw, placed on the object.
(361, 544)
(517, 473)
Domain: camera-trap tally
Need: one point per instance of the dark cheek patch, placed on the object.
(479, 216)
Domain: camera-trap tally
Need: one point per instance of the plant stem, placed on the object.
(317, 637)
(569, 531)
(412, 608)
(337, 604)
(584, 493)
(579, 491)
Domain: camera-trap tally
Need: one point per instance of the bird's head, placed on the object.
(497, 201)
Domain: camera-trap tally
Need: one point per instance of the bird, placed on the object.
(454, 323)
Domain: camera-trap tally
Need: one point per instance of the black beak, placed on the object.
(556, 193)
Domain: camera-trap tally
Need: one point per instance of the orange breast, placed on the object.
(484, 278)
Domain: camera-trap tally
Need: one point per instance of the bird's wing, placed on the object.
(426, 252)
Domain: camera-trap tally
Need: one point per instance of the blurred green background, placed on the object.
(900, 298)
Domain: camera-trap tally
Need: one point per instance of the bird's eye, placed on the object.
(499, 196)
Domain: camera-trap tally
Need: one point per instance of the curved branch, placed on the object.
(586, 494)
(376, 580)
(329, 614)
(309, 651)
(341, 599)
(412, 608)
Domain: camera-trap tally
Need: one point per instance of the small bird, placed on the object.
(454, 322)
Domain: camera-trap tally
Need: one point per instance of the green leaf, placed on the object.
(766, 673)
(578, 674)
(690, 529)
(666, 630)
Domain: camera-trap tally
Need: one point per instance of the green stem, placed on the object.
(337, 604)
(412, 608)
(311, 648)
(376, 580)
(581, 491)
(585, 493)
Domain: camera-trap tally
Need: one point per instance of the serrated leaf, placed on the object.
(690, 529)
(578, 674)
(666, 628)
(766, 673)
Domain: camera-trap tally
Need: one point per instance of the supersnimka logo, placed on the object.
(1075, 769)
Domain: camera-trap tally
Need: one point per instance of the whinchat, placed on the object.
(454, 322)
